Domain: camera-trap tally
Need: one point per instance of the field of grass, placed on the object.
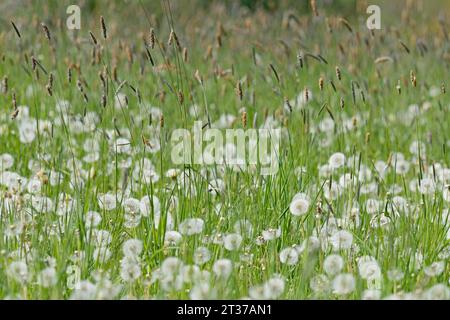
(92, 205)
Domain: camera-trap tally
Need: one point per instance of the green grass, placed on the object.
(372, 127)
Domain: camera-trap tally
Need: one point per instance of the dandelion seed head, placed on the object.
(343, 284)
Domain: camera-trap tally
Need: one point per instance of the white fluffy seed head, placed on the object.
(333, 264)
(132, 247)
(343, 284)
(232, 241)
(336, 160)
(289, 256)
(299, 206)
(222, 268)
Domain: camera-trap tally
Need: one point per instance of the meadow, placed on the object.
(92, 205)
